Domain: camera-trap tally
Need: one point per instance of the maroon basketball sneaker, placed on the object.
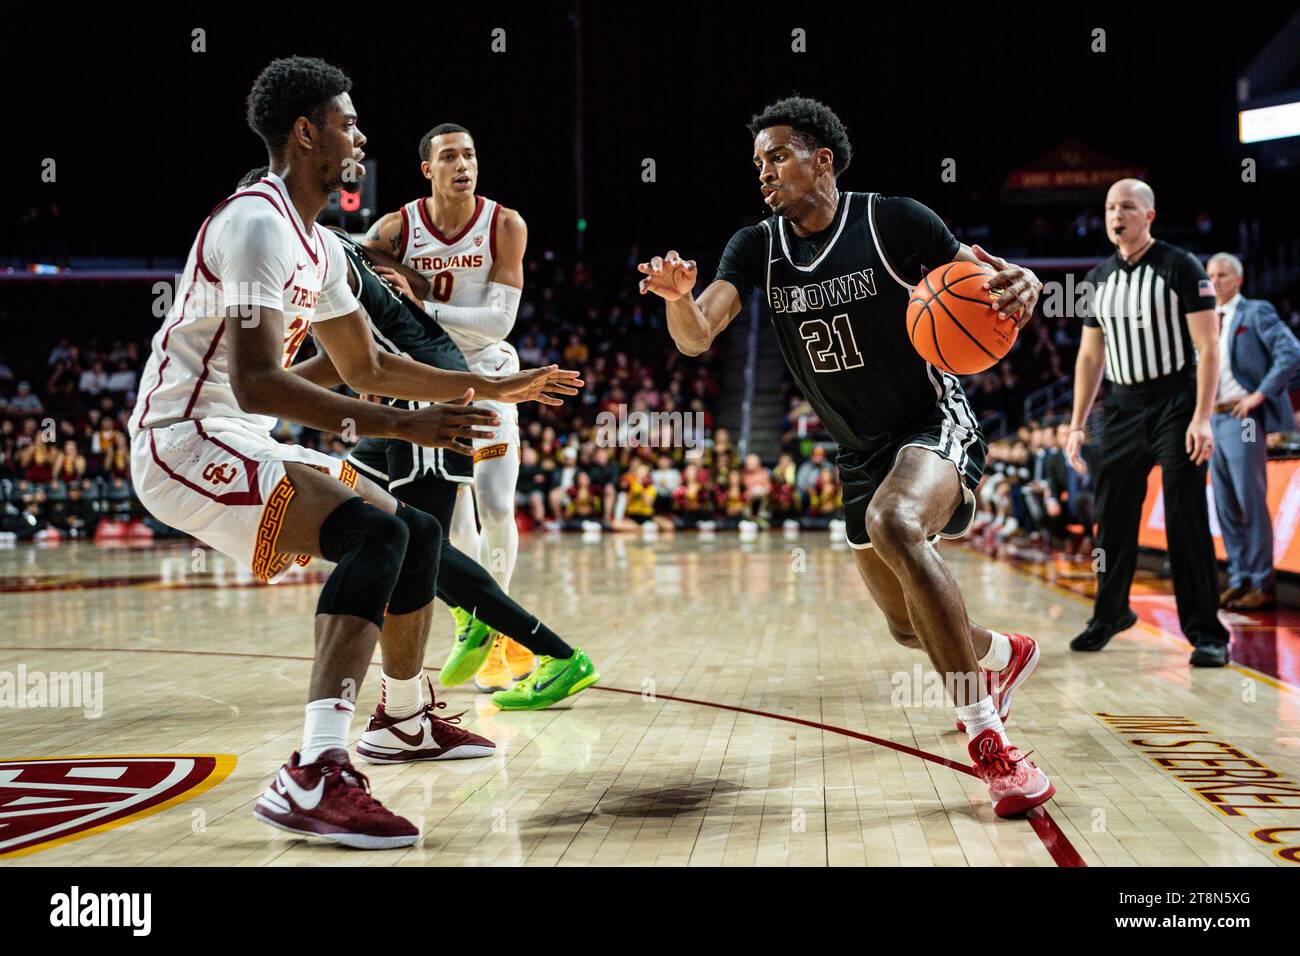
(1016, 785)
(330, 800)
(422, 736)
(1024, 659)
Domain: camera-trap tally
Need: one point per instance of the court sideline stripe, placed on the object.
(1054, 840)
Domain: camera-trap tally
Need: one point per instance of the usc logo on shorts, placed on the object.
(218, 475)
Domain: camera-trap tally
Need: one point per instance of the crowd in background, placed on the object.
(64, 459)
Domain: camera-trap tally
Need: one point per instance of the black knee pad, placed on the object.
(418, 577)
(368, 544)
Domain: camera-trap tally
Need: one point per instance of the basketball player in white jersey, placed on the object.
(469, 252)
(260, 275)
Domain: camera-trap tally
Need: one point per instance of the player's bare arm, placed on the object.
(693, 323)
(1020, 287)
(365, 369)
(512, 241)
(263, 387)
(384, 244)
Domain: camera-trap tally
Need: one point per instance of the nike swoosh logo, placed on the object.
(306, 799)
(413, 740)
(502, 365)
(302, 265)
(542, 685)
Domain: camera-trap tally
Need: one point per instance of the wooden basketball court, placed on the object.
(753, 710)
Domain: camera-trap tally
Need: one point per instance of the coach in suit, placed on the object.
(1258, 357)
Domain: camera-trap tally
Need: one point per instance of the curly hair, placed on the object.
(252, 176)
(815, 123)
(427, 139)
(288, 88)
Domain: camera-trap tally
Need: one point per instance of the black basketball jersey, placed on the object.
(397, 324)
(838, 301)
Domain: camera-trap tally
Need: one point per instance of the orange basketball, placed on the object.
(952, 323)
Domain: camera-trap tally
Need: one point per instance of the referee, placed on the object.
(1152, 330)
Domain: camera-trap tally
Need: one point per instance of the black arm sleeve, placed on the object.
(744, 261)
(915, 240)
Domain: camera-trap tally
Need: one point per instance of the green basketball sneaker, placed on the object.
(554, 680)
(469, 650)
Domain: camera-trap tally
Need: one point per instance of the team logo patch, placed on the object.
(218, 475)
(478, 240)
(47, 802)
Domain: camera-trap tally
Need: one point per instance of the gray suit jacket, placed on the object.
(1265, 356)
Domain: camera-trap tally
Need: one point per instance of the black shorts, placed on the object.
(950, 433)
(394, 463)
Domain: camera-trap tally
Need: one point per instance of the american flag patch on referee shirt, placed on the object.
(1206, 287)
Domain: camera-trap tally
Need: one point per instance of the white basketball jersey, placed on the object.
(251, 251)
(456, 266)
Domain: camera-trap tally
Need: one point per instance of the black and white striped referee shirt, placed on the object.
(1142, 310)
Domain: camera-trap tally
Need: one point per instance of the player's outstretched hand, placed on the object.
(452, 425)
(670, 277)
(544, 385)
(1020, 287)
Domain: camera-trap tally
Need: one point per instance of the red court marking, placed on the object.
(1053, 838)
(1269, 645)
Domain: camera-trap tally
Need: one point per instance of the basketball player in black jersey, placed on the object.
(836, 268)
(426, 478)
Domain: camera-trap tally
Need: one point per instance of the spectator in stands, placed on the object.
(60, 353)
(6, 375)
(757, 482)
(123, 379)
(25, 401)
(69, 463)
(722, 457)
(806, 476)
(1258, 357)
(566, 477)
(533, 487)
(93, 380)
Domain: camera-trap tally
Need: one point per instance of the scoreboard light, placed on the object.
(1269, 122)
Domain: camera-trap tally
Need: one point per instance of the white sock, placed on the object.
(400, 697)
(998, 655)
(981, 716)
(327, 725)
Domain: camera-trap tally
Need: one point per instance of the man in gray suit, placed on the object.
(1258, 357)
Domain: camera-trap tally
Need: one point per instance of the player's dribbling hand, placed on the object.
(670, 277)
(452, 425)
(1020, 287)
(543, 385)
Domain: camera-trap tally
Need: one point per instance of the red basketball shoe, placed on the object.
(1024, 659)
(1016, 785)
(422, 736)
(331, 800)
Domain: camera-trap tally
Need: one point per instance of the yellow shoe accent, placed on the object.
(519, 659)
(494, 675)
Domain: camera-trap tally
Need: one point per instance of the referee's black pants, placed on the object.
(1146, 425)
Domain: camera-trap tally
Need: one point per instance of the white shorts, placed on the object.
(499, 359)
(225, 485)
